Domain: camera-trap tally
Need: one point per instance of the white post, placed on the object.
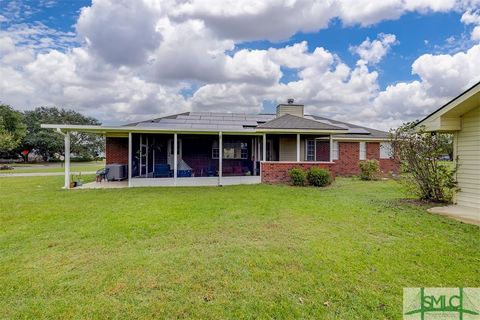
(254, 154)
(331, 148)
(140, 158)
(129, 159)
(298, 147)
(67, 160)
(146, 160)
(220, 157)
(264, 155)
(175, 164)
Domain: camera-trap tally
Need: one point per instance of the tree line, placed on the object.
(21, 131)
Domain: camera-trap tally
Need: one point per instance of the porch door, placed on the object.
(170, 152)
(323, 150)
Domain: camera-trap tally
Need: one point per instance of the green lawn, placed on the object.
(344, 252)
(55, 167)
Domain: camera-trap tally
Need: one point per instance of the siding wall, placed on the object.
(468, 152)
(288, 148)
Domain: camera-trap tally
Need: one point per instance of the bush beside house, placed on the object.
(316, 177)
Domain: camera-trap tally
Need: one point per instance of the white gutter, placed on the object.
(139, 129)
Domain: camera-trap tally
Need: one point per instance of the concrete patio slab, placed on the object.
(42, 174)
(460, 213)
(104, 185)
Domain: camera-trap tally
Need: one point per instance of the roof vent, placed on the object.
(290, 100)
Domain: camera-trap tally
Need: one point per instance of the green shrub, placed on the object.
(369, 169)
(319, 177)
(298, 176)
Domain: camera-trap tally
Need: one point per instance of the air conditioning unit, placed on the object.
(117, 171)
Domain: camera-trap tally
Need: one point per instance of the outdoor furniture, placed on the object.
(101, 174)
(162, 171)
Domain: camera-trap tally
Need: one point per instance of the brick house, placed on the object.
(199, 148)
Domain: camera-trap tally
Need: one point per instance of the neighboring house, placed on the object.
(461, 116)
(202, 148)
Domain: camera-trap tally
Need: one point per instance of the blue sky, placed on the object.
(142, 58)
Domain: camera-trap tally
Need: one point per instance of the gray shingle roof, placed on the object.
(288, 121)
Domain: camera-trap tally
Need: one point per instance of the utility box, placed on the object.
(117, 171)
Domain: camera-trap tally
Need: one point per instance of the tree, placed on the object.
(418, 152)
(12, 128)
(47, 142)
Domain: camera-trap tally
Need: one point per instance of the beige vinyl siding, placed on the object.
(468, 152)
(296, 110)
(288, 148)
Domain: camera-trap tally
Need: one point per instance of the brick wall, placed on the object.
(349, 155)
(386, 165)
(116, 150)
(277, 172)
(348, 158)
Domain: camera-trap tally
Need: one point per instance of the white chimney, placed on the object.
(290, 108)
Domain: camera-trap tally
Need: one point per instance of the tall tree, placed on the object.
(12, 128)
(47, 142)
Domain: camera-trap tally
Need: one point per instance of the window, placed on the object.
(335, 150)
(363, 151)
(310, 149)
(386, 151)
(215, 153)
(231, 150)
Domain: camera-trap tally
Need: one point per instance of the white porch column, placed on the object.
(220, 157)
(331, 148)
(175, 161)
(264, 155)
(129, 159)
(67, 160)
(298, 147)
(254, 155)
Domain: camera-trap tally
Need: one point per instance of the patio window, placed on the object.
(310, 149)
(231, 150)
(386, 151)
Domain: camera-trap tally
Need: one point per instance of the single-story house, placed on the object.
(206, 148)
(461, 116)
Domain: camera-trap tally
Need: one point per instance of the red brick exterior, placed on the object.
(348, 158)
(277, 172)
(349, 155)
(116, 150)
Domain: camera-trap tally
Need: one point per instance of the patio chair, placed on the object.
(162, 171)
(101, 174)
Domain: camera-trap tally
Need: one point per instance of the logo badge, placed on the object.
(441, 303)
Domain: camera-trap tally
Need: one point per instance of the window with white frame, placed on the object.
(310, 149)
(335, 150)
(386, 151)
(231, 150)
(363, 150)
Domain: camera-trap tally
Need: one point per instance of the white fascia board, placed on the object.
(105, 129)
(138, 129)
(359, 139)
(301, 131)
(452, 104)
